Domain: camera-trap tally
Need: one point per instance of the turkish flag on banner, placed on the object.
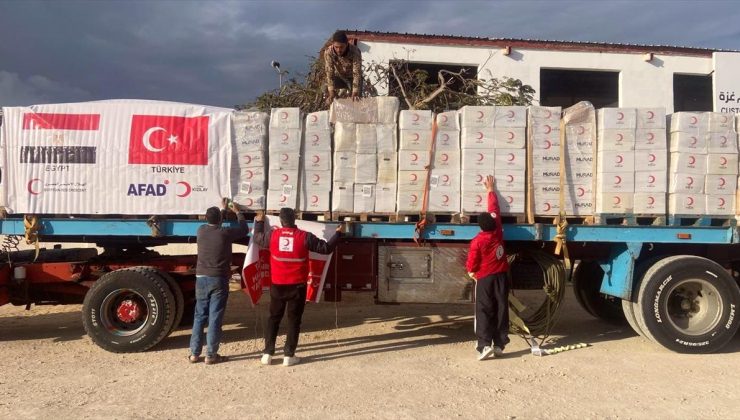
(256, 270)
(167, 140)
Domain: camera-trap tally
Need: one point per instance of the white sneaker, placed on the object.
(291, 360)
(498, 351)
(485, 353)
(266, 359)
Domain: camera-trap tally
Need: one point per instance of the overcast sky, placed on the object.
(219, 52)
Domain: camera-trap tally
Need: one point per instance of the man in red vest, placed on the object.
(488, 265)
(289, 248)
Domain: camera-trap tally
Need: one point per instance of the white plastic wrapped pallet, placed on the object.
(286, 135)
(249, 173)
(316, 167)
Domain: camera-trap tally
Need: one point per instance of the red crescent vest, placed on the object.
(288, 256)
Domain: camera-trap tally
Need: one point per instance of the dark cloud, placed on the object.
(219, 53)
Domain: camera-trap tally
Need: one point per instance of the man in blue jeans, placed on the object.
(212, 274)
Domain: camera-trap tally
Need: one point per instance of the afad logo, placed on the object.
(181, 189)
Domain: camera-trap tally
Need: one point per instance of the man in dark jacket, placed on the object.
(488, 265)
(342, 67)
(289, 248)
(212, 274)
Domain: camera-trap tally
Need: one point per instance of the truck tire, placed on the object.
(128, 310)
(586, 284)
(628, 305)
(174, 288)
(688, 304)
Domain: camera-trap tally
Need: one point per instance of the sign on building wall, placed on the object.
(726, 83)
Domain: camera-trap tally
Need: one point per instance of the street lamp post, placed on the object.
(276, 66)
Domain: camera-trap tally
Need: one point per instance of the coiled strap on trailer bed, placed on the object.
(32, 226)
(422, 223)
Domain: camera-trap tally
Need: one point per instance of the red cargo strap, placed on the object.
(421, 224)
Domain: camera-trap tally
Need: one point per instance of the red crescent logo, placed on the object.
(446, 137)
(724, 140)
(620, 158)
(414, 198)
(314, 199)
(416, 136)
(617, 200)
(443, 117)
(479, 178)
(724, 119)
(316, 178)
(284, 157)
(581, 192)
(480, 157)
(548, 114)
(651, 200)
(285, 136)
(548, 129)
(547, 206)
(283, 115)
(480, 115)
(651, 115)
(480, 135)
(510, 178)
(723, 161)
(651, 157)
(620, 137)
(511, 157)
(581, 129)
(445, 157)
(651, 179)
(510, 114)
(692, 160)
(651, 136)
(445, 178)
(694, 120)
(414, 157)
(722, 182)
(286, 242)
(478, 199)
(283, 198)
(617, 179)
(509, 199)
(315, 138)
(314, 118)
(187, 191)
(620, 116)
(30, 186)
(511, 135)
(285, 177)
(693, 140)
(248, 159)
(721, 202)
(316, 158)
(445, 198)
(250, 174)
(691, 201)
(415, 117)
(414, 177)
(249, 202)
(547, 144)
(691, 181)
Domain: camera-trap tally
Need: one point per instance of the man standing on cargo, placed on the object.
(212, 273)
(488, 265)
(289, 247)
(343, 67)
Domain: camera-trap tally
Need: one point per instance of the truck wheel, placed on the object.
(688, 304)
(128, 311)
(174, 288)
(628, 306)
(586, 284)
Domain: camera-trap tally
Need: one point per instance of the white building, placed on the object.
(563, 73)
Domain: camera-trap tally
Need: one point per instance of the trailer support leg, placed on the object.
(618, 270)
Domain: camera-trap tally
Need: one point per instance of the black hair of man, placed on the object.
(339, 36)
(486, 222)
(213, 216)
(287, 217)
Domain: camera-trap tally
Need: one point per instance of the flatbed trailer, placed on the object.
(675, 285)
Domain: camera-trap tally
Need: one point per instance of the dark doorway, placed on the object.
(564, 88)
(692, 92)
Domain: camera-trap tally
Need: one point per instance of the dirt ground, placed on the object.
(361, 360)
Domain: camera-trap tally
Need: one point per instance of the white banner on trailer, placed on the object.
(726, 84)
(116, 157)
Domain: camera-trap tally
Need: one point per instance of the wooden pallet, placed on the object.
(572, 220)
(431, 217)
(697, 220)
(316, 216)
(507, 219)
(630, 219)
(363, 217)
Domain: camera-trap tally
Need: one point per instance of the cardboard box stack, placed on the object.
(249, 170)
(580, 150)
(444, 179)
(315, 173)
(477, 155)
(688, 164)
(284, 158)
(615, 160)
(543, 161)
(651, 162)
(415, 139)
(720, 185)
(365, 159)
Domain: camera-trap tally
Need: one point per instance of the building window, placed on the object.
(432, 70)
(559, 87)
(692, 92)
